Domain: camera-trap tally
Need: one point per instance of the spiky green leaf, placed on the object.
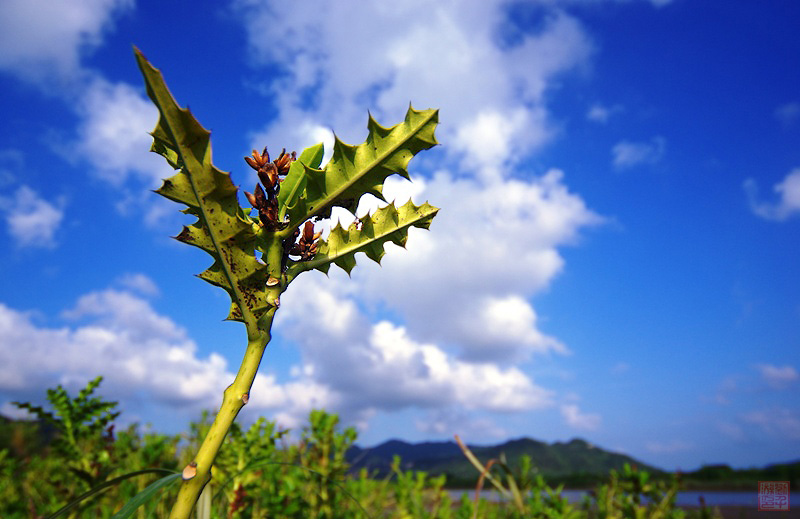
(221, 229)
(355, 170)
(388, 224)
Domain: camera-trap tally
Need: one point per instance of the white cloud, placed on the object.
(301, 397)
(490, 248)
(113, 134)
(491, 98)
(43, 40)
(113, 137)
(498, 237)
(575, 418)
(489, 140)
(139, 283)
(788, 192)
(493, 113)
(600, 113)
(455, 287)
(32, 221)
(503, 323)
(788, 113)
(778, 377)
(379, 366)
(144, 356)
(627, 154)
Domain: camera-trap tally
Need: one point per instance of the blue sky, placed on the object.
(619, 184)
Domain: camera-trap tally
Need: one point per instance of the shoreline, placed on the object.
(749, 512)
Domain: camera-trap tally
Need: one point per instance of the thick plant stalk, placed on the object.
(235, 397)
(284, 205)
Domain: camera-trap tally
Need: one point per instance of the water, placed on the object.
(685, 498)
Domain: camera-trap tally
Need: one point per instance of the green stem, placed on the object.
(232, 403)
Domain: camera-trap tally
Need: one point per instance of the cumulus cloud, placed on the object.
(381, 367)
(32, 221)
(112, 137)
(145, 355)
(575, 418)
(142, 354)
(466, 282)
(487, 141)
(463, 295)
(456, 287)
(113, 132)
(464, 287)
(788, 203)
(778, 377)
(341, 59)
(451, 350)
(627, 154)
(43, 40)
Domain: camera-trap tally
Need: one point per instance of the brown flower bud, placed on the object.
(251, 198)
(259, 159)
(284, 161)
(268, 174)
(306, 247)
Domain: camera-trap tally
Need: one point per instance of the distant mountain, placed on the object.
(557, 460)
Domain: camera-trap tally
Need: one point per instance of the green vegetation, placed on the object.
(259, 474)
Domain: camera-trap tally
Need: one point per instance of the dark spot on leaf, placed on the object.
(185, 236)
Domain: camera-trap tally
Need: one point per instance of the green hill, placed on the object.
(576, 462)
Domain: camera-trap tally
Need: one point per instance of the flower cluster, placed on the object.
(265, 199)
(306, 247)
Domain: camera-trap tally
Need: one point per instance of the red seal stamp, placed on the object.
(773, 496)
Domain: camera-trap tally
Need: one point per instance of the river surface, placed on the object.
(685, 498)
